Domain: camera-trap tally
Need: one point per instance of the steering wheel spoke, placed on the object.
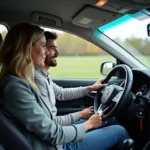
(102, 108)
(117, 98)
(123, 83)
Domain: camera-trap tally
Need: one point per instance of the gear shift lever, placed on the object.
(128, 144)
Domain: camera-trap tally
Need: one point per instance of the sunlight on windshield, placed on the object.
(130, 31)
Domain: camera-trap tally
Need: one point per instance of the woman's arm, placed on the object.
(22, 104)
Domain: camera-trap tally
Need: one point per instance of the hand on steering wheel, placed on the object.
(97, 85)
(110, 99)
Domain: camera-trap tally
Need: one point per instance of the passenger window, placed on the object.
(78, 58)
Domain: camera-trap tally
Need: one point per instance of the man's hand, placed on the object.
(96, 86)
(93, 122)
(86, 113)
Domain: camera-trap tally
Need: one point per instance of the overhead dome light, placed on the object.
(101, 3)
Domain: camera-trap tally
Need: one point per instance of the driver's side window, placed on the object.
(78, 58)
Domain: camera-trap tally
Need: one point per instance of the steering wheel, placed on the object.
(111, 99)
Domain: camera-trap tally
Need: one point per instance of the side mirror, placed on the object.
(148, 29)
(106, 67)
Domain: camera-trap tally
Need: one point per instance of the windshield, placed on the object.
(130, 32)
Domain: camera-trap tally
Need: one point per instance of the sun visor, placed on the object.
(93, 17)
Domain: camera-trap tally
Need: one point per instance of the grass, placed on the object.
(79, 67)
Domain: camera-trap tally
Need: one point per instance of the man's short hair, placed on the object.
(50, 35)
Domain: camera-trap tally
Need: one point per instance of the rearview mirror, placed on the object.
(148, 29)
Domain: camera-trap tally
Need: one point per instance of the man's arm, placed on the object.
(61, 120)
(69, 93)
(75, 93)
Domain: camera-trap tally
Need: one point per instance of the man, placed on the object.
(50, 91)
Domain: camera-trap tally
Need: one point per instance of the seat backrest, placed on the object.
(10, 137)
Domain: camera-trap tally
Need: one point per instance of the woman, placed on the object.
(24, 48)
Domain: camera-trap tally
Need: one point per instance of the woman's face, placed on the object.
(39, 52)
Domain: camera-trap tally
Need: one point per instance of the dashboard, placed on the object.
(141, 82)
(138, 103)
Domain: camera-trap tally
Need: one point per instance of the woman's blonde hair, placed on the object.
(15, 53)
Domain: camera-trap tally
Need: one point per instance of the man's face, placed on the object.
(53, 53)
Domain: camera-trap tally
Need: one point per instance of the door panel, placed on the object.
(66, 83)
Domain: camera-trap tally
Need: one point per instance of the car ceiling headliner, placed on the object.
(65, 9)
(13, 11)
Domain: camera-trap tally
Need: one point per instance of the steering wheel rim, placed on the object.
(113, 94)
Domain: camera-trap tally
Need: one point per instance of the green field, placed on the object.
(79, 67)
